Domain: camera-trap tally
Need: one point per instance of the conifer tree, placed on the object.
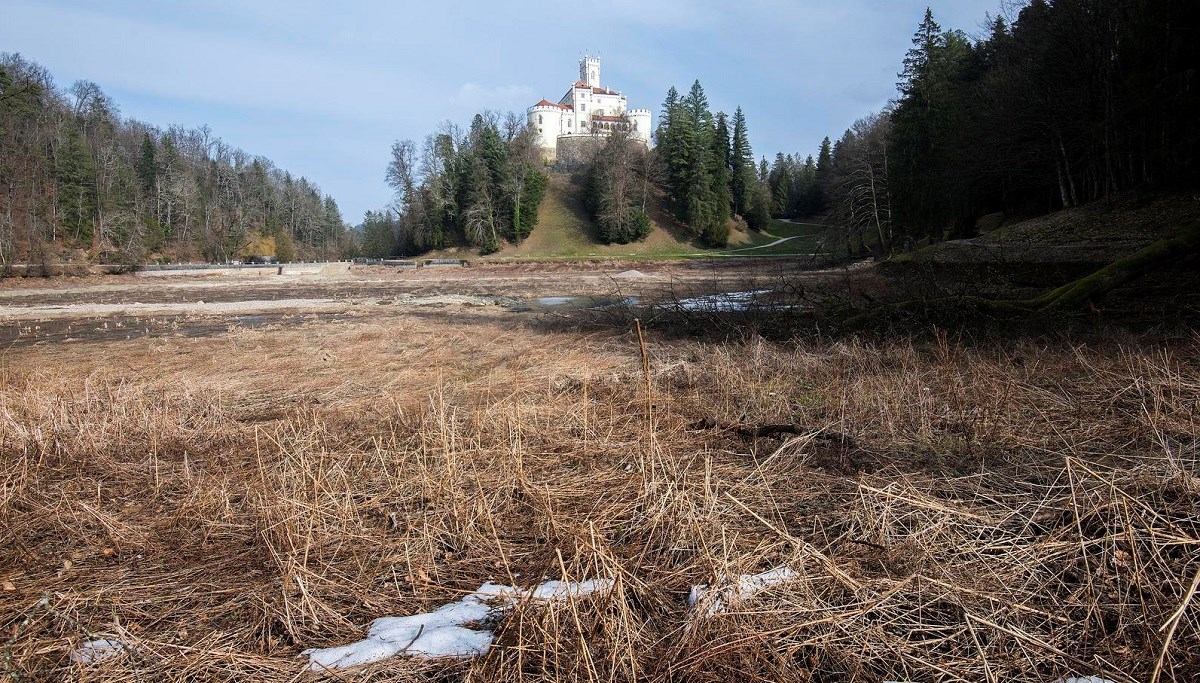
(719, 164)
(147, 166)
(741, 165)
(75, 173)
(759, 215)
(701, 207)
(919, 62)
(665, 116)
(781, 186)
(824, 174)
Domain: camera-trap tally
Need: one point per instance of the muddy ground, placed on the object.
(36, 311)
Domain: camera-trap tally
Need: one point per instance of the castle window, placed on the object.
(583, 107)
(539, 119)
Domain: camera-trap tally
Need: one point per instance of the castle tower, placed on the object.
(589, 71)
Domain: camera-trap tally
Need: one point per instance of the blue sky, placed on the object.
(324, 88)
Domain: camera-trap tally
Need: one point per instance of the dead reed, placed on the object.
(1019, 512)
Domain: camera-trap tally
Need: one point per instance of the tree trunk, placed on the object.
(1088, 288)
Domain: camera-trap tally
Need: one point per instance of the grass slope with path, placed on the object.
(566, 231)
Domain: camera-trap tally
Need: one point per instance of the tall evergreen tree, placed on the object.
(720, 168)
(666, 114)
(147, 166)
(741, 165)
(824, 167)
(75, 173)
(781, 186)
(702, 207)
(925, 119)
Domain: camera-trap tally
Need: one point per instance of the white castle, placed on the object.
(587, 110)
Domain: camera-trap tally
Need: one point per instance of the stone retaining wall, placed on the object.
(574, 152)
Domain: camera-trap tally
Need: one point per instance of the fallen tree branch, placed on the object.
(764, 431)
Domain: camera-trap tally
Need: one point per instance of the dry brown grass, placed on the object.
(1013, 513)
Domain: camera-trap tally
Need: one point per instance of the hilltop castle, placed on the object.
(587, 111)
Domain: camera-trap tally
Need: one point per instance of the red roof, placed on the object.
(596, 90)
(547, 103)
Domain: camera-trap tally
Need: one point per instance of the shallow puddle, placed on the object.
(570, 303)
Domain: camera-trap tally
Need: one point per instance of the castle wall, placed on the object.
(611, 105)
(574, 151)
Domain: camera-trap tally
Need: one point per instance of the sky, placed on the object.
(324, 88)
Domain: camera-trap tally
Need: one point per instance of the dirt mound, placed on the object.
(631, 275)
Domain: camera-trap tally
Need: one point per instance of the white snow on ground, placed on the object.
(559, 590)
(96, 650)
(728, 301)
(713, 600)
(444, 632)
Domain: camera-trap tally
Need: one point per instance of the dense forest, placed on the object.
(707, 166)
(75, 176)
(477, 188)
(703, 164)
(1070, 102)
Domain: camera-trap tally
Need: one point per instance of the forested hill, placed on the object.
(1072, 101)
(76, 178)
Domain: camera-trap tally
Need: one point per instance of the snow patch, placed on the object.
(726, 302)
(462, 629)
(714, 600)
(559, 590)
(96, 651)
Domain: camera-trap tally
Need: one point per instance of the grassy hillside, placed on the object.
(1024, 258)
(1098, 232)
(1129, 217)
(565, 231)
